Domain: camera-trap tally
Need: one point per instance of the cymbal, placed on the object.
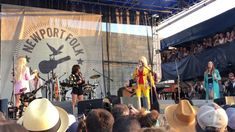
(94, 76)
(87, 85)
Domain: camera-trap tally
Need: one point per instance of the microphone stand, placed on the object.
(178, 79)
(154, 89)
(104, 77)
(13, 81)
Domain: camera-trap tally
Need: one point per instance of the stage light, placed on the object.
(155, 16)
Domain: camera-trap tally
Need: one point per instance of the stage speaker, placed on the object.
(114, 99)
(220, 101)
(4, 107)
(67, 106)
(135, 101)
(84, 107)
(230, 100)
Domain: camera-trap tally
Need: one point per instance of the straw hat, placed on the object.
(42, 115)
(182, 116)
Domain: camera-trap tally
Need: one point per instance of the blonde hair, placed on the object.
(20, 67)
(143, 60)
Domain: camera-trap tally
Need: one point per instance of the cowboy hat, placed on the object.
(42, 115)
(181, 116)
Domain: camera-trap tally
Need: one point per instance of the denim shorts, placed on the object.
(210, 86)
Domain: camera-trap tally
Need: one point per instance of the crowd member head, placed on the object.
(152, 129)
(150, 119)
(99, 120)
(11, 126)
(211, 118)
(231, 76)
(78, 126)
(231, 118)
(120, 110)
(42, 115)
(126, 124)
(181, 117)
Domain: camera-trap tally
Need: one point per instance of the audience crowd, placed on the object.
(197, 46)
(41, 115)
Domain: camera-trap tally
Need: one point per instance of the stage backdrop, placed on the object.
(52, 40)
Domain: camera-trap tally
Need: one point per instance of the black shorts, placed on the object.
(77, 91)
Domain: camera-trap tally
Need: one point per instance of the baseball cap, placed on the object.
(212, 115)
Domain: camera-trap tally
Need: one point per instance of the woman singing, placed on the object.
(76, 81)
(22, 77)
(211, 78)
(142, 74)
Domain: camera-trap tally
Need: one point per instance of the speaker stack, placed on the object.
(4, 107)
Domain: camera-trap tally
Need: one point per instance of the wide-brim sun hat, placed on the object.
(182, 117)
(42, 115)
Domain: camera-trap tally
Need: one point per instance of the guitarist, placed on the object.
(36, 83)
(76, 81)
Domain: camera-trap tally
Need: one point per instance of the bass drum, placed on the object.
(68, 95)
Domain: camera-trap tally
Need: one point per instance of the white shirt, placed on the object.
(33, 86)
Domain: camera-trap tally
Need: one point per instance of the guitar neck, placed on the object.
(63, 59)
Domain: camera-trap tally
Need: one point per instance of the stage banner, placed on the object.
(52, 41)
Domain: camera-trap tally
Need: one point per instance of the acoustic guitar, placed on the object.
(129, 91)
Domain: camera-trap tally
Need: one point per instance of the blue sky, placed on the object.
(140, 30)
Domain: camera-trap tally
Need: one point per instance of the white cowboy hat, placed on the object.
(42, 115)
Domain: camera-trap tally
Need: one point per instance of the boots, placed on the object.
(145, 103)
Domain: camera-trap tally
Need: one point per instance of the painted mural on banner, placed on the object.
(51, 43)
(50, 48)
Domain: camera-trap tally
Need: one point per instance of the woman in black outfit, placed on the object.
(76, 81)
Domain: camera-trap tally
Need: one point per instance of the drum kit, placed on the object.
(88, 89)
